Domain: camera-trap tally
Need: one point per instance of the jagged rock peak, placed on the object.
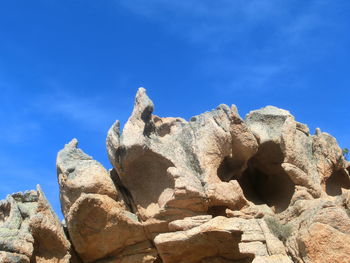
(143, 106)
(215, 189)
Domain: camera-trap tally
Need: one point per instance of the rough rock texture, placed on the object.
(214, 189)
(174, 168)
(98, 221)
(30, 231)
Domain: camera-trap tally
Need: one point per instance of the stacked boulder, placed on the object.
(216, 188)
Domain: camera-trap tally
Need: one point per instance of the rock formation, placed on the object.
(214, 189)
(30, 231)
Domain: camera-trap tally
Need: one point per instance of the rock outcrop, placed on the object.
(214, 189)
(31, 232)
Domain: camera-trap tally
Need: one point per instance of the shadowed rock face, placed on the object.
(213, 189)
(170, 166)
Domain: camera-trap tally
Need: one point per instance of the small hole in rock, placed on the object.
(217, 211)
(338, 180)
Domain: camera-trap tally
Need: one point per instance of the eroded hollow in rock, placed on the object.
(229, 168)
(219, 210)
(147, 178)
(264, 181)
(338, 180)
(5, 209)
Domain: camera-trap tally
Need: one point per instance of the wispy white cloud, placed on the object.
(210, 22)
(266, 36)
(89, 110)
(22, 119)
(83, 110)
(26, 113)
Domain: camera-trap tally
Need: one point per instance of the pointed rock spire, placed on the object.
(112, 143)
(143, 106)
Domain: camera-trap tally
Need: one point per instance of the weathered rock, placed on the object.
(229, 195)
(99, 227)
(316, 247)
(273, 244)
(173, 167)
(50, 241)
(15, 236)
(30, 231)
(140, 252)
(290, 158)
(272, 259)
(98, 220)
(330, 163)
(188, 222)
(214, 189)
(217, 238)
(78, 173)
(319, 215)
(284, 158)
(220, 238)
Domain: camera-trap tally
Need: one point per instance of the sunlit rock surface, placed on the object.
(213, 189)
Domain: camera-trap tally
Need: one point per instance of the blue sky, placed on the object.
(71, 68)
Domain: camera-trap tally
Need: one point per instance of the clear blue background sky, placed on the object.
(71, 68)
